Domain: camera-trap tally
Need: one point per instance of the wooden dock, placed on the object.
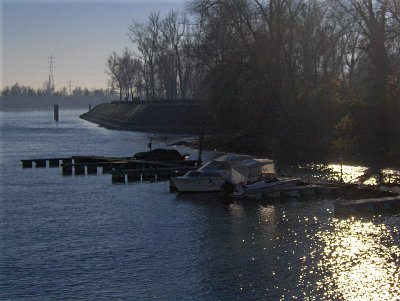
(298, 191)
(149, 174)
(126, 168)
(46, 162)
(375, 205)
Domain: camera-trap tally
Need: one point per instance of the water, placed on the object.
(81, 237)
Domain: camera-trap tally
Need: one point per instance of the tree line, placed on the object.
(296, 79)
(166, 65)
(20, 96)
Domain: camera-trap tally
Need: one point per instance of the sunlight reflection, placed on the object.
(350, 173)
(267, 214)
(359, 262)
(236, 210)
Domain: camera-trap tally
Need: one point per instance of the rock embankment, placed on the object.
(163, 117)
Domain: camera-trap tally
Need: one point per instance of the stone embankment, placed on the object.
(163, 116)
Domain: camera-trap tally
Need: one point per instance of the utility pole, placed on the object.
(50, 84)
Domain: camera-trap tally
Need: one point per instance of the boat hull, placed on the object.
(280, 183)
(267, 187)
(197, 185)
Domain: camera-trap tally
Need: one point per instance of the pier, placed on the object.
(148, 174)
(122, 169)
(125, 170)
(42, 163)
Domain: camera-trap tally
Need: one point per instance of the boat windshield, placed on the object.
(209, 174)
(193, 174)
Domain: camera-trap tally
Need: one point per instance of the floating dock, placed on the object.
(375, 205)
(297, 191)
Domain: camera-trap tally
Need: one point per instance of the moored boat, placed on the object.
(266, 185)
(199, 181)
(230, 168)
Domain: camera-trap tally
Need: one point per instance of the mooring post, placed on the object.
(90, 107)
(56, 112)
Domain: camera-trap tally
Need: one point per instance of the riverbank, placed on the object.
(161, 117)
(185, 117)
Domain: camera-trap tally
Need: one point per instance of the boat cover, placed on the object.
(251, 169)
(224, 162)
(240, 168)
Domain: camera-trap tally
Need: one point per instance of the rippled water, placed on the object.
(81, 237)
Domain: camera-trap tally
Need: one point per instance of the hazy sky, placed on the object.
(80, 35)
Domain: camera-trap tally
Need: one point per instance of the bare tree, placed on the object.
(146, 38)
(115, 71)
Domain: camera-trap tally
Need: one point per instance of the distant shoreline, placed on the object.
(40, 109)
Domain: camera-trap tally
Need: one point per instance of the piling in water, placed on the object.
(56, 112)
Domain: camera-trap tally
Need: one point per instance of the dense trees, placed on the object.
(292, 78)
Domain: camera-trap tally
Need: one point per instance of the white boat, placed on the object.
(199, 181)
(266, 185)
(230, 167)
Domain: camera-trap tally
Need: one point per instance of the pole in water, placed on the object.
(56, 112)
(90, 107)
(201, 142)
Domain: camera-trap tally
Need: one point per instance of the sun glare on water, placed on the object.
(359, 262)
(350, 173)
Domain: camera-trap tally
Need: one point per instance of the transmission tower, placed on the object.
(70, 87)
(50, 84)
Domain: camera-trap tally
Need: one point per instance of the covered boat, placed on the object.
(232, 168)
(160, 154)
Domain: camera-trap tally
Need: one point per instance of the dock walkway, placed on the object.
(123, 169)
(296, 191)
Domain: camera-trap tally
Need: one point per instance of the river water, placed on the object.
(81, 237)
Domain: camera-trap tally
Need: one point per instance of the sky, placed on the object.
(80, 35)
